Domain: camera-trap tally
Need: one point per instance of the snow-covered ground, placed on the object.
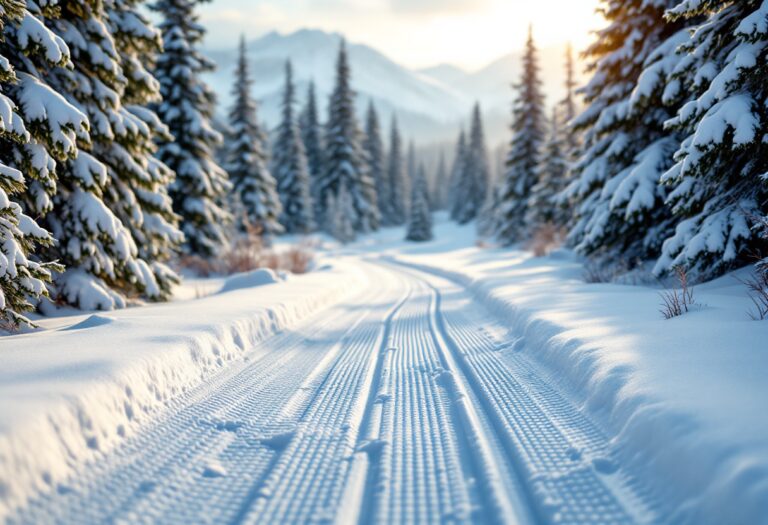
(85, 382)
(685, 397)
(401, 382)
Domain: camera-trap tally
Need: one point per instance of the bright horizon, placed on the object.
(464, 33)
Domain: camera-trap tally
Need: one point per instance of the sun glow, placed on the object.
(418, 33)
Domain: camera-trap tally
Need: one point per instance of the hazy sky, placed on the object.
(418, 33)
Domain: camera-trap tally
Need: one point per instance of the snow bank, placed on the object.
(685, 398)
(250, 279)
(69, 394)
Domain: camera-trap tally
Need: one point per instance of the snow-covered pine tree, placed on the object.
(374, 149)
(544, 208)
(257, 203)
(396, 178)
(28, 130)
(201, 185)
(522, 167)
(330, 217)
(289, 166)
(717, 188)
(111, 197)
(442, 184)
(411, 171)
(472, 189)
(618, 204)
(312, 137)
(420, 221)
(343, 227)
(458, 176)
(568, 109)
(139, 181)
(344, 155)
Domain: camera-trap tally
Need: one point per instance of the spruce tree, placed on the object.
(568, 109)
(522, 167)
(345, 158)
(111, 213)
(397, 207)
(255, 195)
(30, 141)
(139, 181)
(411, 171)
(289, 166)
(374, 149)
(718, 192)
(201, 185)
(618, 203)
(343, 228)
(312, 137)
(544, 208)
(442, 184)
(472, 189)
(458, 177)
(420, 222)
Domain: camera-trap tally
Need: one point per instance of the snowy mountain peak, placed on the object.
(423, 104)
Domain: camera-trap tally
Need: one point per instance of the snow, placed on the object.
(252, 279)
(682, 400)
(79, 387)
(684, 397)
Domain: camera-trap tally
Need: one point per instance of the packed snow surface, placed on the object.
(423, 383)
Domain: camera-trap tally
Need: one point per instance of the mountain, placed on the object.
(493, 85)
(425, 107)
(430, 103)
(445, 73)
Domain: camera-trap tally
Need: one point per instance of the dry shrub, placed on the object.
(249, 252)
(758, 292)
(546, 238)
(677, 302)
(198, 265)
(483, 244)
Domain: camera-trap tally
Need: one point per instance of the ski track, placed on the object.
(404, 405)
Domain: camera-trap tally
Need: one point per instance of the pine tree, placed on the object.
(617, 200)
(544, 208)
(472, 173)
(529, 130)
(139, 181)
(110, 212)
(312, 137)
(289, 166)
(201, 185)
(343, 211)
(568, 111)
(374, 149)
(411, 172)
(29, 137)
(345, 159)
(420, 222)
(397, 207)
(458, 177)
(717, 187)
(442, 184)
(255, 189)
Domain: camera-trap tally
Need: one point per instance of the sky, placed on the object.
(417, 33)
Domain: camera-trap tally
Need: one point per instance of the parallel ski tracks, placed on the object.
(564, 459)
(400, 406)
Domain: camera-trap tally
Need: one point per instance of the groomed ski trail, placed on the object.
(406, 404)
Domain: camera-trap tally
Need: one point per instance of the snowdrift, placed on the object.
(71, 394)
